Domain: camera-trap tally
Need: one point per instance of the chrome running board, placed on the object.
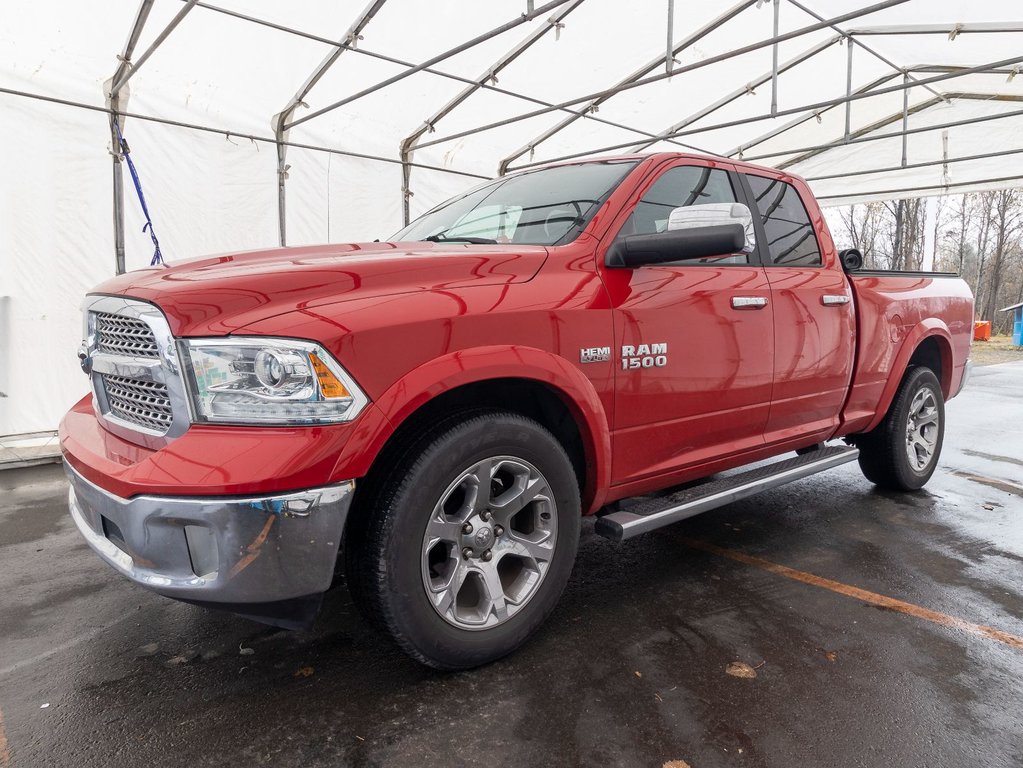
(650, 514)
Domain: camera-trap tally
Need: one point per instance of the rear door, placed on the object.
(814, 318)
(694, 350)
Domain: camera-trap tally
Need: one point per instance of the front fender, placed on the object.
(469, 366)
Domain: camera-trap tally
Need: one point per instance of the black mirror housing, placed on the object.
(851, 259)
(676, 245)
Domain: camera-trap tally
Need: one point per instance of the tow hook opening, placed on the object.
(202, 550)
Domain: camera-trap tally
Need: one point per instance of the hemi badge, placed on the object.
(594, 354)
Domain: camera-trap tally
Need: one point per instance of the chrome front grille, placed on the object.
(141, 402)
(130, 354)
(120, 335)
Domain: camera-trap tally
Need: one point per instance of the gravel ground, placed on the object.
(999, 349)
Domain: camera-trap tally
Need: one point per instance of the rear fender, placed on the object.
(931, 327)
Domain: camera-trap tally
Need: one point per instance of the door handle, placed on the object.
(831, 300)
(749, 302)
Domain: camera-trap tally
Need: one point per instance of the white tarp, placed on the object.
(212, 187)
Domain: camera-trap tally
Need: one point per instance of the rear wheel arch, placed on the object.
(934, 352)
(929, 345)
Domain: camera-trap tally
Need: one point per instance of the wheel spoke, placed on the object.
(442, 529)
(538, 551)
(919, 402)
(928, 418)
(495, 591)
(478, 492)
(513, 501)
(443, 597)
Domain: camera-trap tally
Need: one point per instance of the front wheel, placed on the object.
(902, 452)
(472, 541)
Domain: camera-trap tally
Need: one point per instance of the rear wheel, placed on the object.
(471, 541)
(902, 452)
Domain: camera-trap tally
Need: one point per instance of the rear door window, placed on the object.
(791, 240)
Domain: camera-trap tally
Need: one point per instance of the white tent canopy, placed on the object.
(256, 122)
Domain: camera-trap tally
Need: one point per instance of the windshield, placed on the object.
(549, 206)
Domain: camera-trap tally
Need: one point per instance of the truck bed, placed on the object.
(894, 312)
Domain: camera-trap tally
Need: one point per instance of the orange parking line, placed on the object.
(872, 598)
(5, 755)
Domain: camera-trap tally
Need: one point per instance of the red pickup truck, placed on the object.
(432, 415)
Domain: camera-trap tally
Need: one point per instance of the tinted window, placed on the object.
(676, 188)
(791, 240)
(549, 206)
(681, 187)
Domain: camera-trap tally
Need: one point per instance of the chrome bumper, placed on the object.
(233, 553)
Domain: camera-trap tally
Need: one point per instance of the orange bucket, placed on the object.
(982, 330)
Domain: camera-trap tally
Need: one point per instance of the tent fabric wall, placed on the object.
(211, 181)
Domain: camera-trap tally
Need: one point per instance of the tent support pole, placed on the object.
(643, 71)
(575, 113)
(607, 93)
(774, 60)
(813, 108)
(848, 86)
(738, 93)
(739, 150)
(408, 144)
(925, 164)
(523, 19)
(224, 132)
(130, 71)
(669, 55)
(952, 30)
(905, 120)
(279, 122)
(929, 68)
(906, 190)
(818, 148)
(115, 105)
(852, 37)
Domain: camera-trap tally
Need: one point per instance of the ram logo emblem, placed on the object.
(644, 356)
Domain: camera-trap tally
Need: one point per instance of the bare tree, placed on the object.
(1007, 218)
(979, 235)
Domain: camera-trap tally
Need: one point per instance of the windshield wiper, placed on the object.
(440, 237)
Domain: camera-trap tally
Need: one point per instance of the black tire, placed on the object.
(884, 458)
(389, 571)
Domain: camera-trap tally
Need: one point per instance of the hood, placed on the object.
(220, 294)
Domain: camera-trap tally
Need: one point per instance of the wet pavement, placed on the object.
(630, 670)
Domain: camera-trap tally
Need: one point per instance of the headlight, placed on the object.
(267, 381)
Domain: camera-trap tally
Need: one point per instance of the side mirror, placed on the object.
(852, 259)
(676, 245)
(712, 214)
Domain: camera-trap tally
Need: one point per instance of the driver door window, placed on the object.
(679, 187)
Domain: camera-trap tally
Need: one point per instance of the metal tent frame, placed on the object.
(551, 16)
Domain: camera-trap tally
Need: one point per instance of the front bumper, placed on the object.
(266, 557)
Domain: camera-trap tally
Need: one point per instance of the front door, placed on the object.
(694, 351)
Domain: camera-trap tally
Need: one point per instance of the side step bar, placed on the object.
(650, 514)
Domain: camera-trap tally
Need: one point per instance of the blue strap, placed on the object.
(148, 227)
